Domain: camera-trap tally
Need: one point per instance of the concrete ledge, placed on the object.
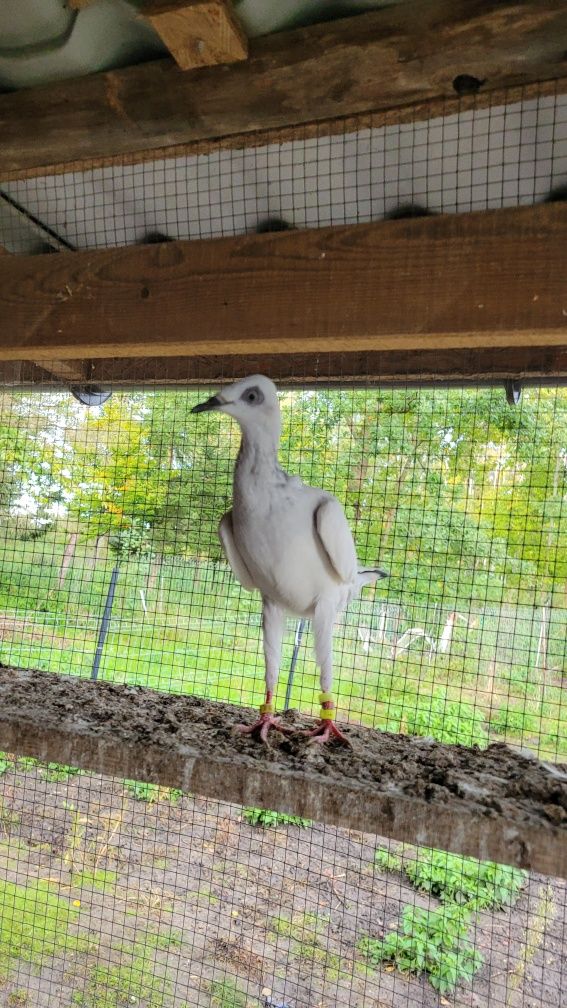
(494, 804)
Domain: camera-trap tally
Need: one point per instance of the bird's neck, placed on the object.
(259, 450)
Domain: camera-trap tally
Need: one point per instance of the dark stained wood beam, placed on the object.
(464, 281)
(494, 804)
(198, 33)
(486, 365)
(383, 62)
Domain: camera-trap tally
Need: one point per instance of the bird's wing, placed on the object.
(336, 539)
(237, 565)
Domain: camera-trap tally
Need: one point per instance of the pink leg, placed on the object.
(327, 729)
(266, 721)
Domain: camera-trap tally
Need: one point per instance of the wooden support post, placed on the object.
(405, 61)
(474, 281)
(494, 804)
(198, 33)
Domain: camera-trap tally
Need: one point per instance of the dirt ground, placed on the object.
(178, 902)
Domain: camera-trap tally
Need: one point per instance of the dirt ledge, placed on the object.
(492, 804)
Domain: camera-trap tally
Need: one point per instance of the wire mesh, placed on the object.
(118, 892)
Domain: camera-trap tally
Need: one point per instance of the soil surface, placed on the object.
(196, 904)
(495, 803)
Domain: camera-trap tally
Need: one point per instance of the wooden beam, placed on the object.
(433, 283)
(494, 804)
(488, 364)
(530, 365)
(68, 371)
(198, 33)
(381, 61)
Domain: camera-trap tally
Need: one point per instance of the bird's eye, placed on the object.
(253, 396)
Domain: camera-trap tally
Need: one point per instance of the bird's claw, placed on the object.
(262, 726)
(324, 731)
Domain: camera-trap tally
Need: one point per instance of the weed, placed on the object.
(58, 771)
(143, 791)
(17, 998)
(226, 994)
(386, 860)
(452, 878)
(433, 942)
(6, 763)
(265, 817)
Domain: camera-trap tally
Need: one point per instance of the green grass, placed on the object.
(35, 924)
(98, 879)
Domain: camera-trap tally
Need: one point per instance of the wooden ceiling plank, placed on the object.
(198, 33)
(445, 282)
(385, 60)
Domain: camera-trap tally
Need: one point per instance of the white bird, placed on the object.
(287, 540)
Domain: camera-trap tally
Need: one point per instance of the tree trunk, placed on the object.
(67, 558)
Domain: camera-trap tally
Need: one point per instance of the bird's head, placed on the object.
(253, 402)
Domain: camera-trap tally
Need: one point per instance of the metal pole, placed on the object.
(297, 644)
(105, 622)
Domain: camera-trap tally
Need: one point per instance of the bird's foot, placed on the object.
(327, 730)
(262, 726)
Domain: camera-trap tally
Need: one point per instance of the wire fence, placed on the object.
(118, 892)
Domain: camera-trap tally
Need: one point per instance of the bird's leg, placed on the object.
(273, 626)
(326, 729)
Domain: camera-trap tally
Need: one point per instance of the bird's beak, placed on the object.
(210, 404)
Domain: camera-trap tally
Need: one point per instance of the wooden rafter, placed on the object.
(386, 62)
(464, 281)
(490, 364)
(198, 33)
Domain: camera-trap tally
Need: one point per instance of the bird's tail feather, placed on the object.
(370, 575)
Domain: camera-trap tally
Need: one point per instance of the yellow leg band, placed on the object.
(326, 697)
(326, 714)
(267, 708)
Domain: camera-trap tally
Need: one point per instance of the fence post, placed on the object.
(105, 621)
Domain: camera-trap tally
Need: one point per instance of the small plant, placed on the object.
(265, 817)
(58, 772)
(6, 763)
(142, 791)
(386, 860)
(17, 998)
(226, 994)
(433, 942)
(455, 879)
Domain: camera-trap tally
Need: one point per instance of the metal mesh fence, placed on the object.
(119, 892)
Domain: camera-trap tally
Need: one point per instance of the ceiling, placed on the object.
(47, 40)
